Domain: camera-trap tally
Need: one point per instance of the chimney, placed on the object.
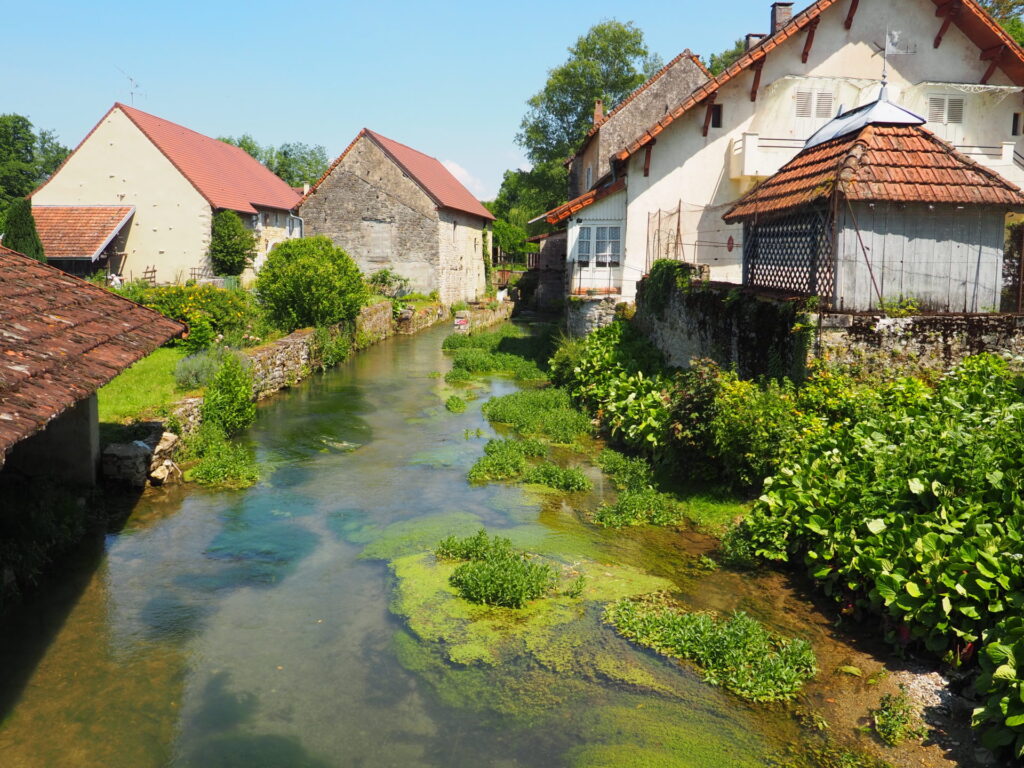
(753, 39)
(598, 111)
(781, 14)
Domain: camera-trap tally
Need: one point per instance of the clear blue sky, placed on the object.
(450, 79)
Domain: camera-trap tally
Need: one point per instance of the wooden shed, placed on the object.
(874, 210)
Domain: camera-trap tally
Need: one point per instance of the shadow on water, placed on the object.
(43, 606)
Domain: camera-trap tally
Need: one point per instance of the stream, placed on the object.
(293, 624)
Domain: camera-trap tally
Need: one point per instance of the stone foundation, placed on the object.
(584, 314)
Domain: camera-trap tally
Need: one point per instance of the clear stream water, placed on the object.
(243, 628)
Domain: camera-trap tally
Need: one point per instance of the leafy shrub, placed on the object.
(226, 310)
(388, 283)
(199, 368)
(228, 401)
(459, 306)
(637, 507)
(232, 244)
(895, 719)
(737, 652)
(550, 474)
(626, 473)
(455, 404)
(201, 333)
(502, 460)
(310, 282)
(494, 573)
(1001, 687)
(546, 412)
(218, 460)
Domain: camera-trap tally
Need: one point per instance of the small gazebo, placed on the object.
(876, 209)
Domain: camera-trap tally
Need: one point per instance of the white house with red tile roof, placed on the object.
(946, 59)
(175, 179)
(392, 207)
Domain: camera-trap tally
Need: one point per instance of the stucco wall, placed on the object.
(118, 165)
(693, 171)
(378, 215)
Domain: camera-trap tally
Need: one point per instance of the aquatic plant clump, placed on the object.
(895, 719)
(737, 652)
(495, 574)
(567, 479)
(455, 404)
(626, 473)
(639, 507)
(546, 412)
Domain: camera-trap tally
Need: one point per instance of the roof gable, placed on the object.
(226, 176)
(61, 339)
(878, 163)
(976, 24)
(429, 174)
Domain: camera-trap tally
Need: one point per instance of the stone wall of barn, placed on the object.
(460, 274)
(378, 215)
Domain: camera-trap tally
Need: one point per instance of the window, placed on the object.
(817, 104)
(608, 247)
(1015, 126)
(716, 116)
(583, 247)
(946, 109)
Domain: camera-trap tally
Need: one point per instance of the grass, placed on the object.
(736, 652)
(141, 391)
(638, 507)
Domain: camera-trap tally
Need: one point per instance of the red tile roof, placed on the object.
(79, 231)
(428, 173)
(565, 210)
(973, 21)
(226, 176)
(895, 163)
(61, 339)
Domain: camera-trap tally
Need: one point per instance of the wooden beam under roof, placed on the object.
(853, 12)
(809, 41)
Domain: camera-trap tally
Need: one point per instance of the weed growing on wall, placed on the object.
(735, 652)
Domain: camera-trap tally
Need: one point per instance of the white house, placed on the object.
(669, 186)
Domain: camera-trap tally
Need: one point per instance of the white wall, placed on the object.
(118, 165)
(695, 172)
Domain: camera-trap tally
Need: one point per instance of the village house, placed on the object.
(671, 182)
(392, 207)
(876, 210)
(62, 339)
(173, 180)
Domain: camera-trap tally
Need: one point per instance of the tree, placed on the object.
(310, 282)
(606, 63)
(294, 162)
(26, 159)
(1003, 10)
(511, 239)
(719, 62)
(20, 232)
(526, 194)
(232, 244)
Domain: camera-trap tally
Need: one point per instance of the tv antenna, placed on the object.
(133, 85)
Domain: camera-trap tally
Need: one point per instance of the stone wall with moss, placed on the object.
(688, 317)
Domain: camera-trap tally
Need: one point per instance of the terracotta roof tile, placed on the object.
(428, 172)
(226, 176)
(565, 210)
(973, 21)
(861, 166)
(79, 231)
(61, 339)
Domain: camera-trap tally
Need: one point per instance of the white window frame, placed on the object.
(583, 254)
(608, 246)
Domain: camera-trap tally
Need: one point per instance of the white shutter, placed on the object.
(823, 105)
(936, 109)
(803, 103)
(954, 110)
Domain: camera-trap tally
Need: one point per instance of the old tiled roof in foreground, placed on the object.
(893, 163)
(79, 231)
(61, 339)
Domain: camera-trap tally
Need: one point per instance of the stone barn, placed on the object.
(877, 210)
(61, 339)
(392, 207)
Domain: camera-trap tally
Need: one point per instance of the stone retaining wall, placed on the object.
(584, 314)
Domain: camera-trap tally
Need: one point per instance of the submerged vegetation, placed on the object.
(735, 652)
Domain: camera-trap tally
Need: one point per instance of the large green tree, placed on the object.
(1008, 13)
(27, 158)
(295, 162)
(719, 62)
(606, 63)
(20, 231)
(232, 244)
